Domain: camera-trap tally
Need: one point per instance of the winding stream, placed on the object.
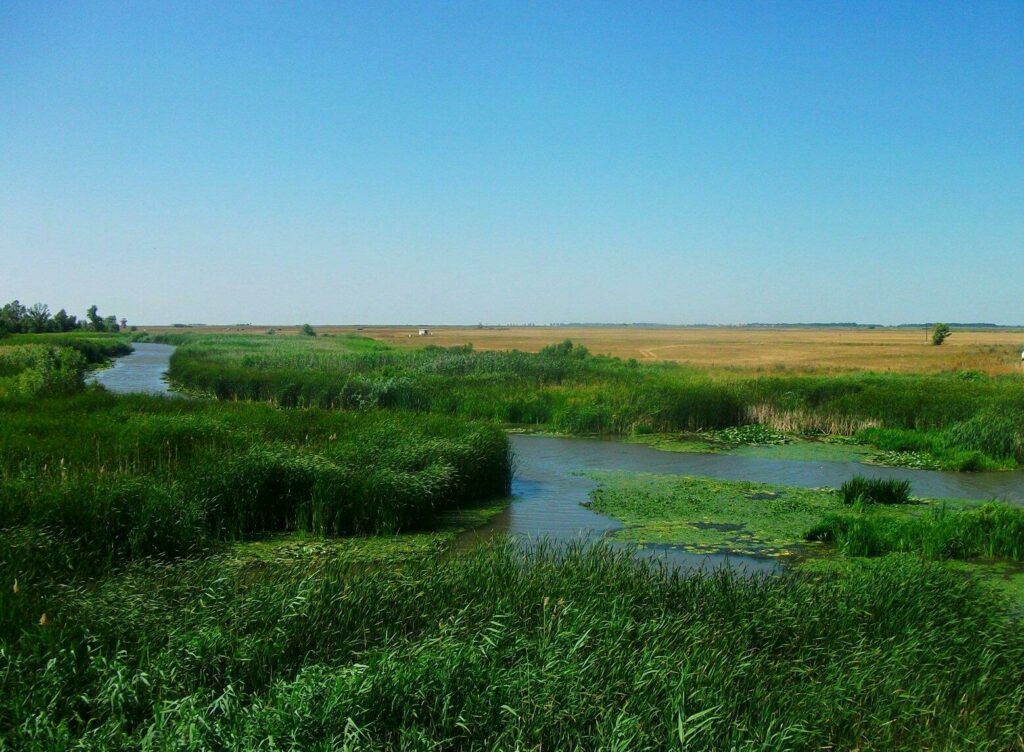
(548, 489)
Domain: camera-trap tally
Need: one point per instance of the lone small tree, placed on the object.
(940, 333)
(308, 330)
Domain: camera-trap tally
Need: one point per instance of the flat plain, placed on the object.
(800, 349)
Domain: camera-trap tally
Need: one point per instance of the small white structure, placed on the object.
(424, 332)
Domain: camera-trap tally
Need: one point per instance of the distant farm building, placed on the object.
(424, 332)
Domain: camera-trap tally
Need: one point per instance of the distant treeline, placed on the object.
(16, 318)
(960, 325)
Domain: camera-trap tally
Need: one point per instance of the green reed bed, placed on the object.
(991, 531)
(948, 420)
(107, 478)
(95, 347)
(502, 648)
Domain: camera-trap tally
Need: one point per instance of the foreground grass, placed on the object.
(505, 649)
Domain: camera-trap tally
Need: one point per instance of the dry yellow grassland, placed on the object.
(758, 349)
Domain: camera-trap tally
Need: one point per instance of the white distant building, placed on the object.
(424, 332)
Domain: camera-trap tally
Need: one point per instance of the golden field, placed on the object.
(762, 349)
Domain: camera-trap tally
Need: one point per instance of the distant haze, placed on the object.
(510, 162)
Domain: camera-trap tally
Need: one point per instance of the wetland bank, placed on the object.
(219, 572)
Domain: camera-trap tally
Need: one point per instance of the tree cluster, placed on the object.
(16, 318)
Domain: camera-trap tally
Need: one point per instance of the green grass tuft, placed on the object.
(860, 490)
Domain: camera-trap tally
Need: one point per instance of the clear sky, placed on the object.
(426, 162)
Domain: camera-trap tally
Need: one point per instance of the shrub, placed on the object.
(940, 333)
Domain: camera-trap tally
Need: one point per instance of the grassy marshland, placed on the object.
(504, 649)
(957, 420)
(992, 531)
(95, 479)
(185, 574)
(864, 518)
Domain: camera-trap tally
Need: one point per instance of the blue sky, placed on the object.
(519, 162)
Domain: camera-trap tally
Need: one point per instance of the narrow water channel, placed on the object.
(549, 489)
(141, 371)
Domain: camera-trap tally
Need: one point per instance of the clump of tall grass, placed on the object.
(984, 442)
(860, 490)
(506, 648)
(996, 435)
(117, 478)
(992, 531)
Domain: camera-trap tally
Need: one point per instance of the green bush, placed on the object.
(38, 370)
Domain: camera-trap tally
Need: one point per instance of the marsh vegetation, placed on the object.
(961, 421)
(271, 570)
(503, 648)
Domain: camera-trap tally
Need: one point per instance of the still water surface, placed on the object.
(141, 371)
(549, 489)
